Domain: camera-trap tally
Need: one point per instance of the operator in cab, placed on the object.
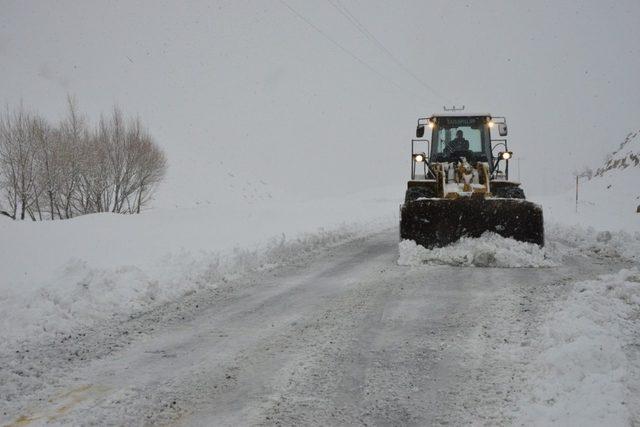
(458, 143)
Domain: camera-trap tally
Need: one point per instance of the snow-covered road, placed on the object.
(348, 337)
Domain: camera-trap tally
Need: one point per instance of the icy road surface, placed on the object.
(347, 338)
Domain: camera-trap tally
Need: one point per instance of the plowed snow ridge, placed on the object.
(490, 250)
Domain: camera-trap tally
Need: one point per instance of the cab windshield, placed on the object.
(453, 136)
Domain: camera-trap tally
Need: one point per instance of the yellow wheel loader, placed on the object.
(460, 184)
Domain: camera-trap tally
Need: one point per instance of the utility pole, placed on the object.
(577, 177)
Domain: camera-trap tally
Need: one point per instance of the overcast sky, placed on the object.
(248, 88)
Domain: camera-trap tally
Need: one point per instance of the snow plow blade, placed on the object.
(440, 222)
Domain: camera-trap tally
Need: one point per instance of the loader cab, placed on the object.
(462, 135)
(453, 137)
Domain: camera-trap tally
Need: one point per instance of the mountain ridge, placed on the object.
(624, 156)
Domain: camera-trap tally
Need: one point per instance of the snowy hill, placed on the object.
(609, 198)
(627, 155)
(223, 183)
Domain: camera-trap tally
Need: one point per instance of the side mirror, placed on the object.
(502, 129)
(420, 131)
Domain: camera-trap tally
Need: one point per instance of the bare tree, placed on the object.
(144, 166)
(67, 170)
(73, 134)
(17, 154)
(150, 168)
(124, 168)
(52, 168)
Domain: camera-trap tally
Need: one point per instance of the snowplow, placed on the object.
(460, 184)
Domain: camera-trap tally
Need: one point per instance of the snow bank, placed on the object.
(590, 241)
(78, 293)
(493, 250)
(490, 250)
(587, 370)
(60, 275)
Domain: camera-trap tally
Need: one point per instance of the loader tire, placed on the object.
(510, 193)
(415, 193)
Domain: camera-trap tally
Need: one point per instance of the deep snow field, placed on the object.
(58, 275)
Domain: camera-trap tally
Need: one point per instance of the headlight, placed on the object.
(419, 158)
(490, 123)
(506, 155)
(431, 123)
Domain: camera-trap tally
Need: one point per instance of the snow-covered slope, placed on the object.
(627, 155)
(617, 181)
(609, 199)
(60, 274)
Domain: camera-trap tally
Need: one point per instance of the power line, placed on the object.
(344, 11)
(342, 48)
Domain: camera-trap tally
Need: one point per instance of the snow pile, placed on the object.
(79, 294)
(589, 241)
(587, 371)
(490, 250)
(60, 275)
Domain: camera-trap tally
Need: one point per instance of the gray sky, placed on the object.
(246, 87)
